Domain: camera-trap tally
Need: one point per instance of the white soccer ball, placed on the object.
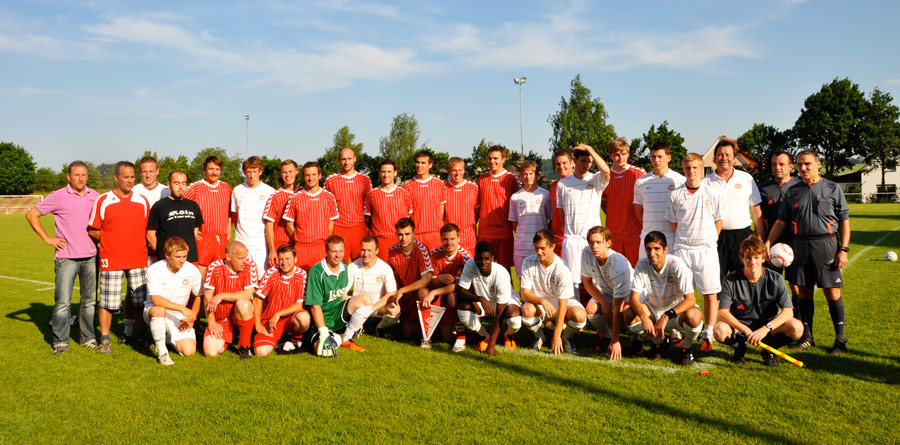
(781, 255)
(890, 256)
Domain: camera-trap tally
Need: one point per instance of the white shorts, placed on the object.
(518, 257)
(573, 302)
(260, 255)
(173, 320)
(704, 265)
(670, 242)
(515, 302)
(571, 255)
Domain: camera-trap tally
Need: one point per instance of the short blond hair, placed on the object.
(691, 157)
(619, 145)
(528, 165)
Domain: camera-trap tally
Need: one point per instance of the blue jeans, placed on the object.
(66, 271)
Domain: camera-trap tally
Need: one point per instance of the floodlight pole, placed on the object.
(521, 81)
(247, 118)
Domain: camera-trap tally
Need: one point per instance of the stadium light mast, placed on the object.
(247, 133)
(521, 81)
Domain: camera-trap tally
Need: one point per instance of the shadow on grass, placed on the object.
(676, 413)
(853, 364)
(39, 314)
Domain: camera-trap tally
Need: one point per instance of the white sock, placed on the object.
(158, 332)
(513, 324)
(387, 321)
(472, 322)
(636, 329)
(129, 326)
(573, 327)
(690, 334)
(533, 324)
(600, 324)
(356, 321)
(707, 331)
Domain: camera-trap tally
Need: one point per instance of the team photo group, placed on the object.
(312, 265)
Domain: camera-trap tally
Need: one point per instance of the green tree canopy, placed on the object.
(231, 169)
(47, 180)
(17, 170)
(401, 145)
(167, 165)
(881, 133)
(640, 147)
(342, 138)
(580, 119)
(761, 142)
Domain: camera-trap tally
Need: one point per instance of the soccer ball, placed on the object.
(781, 255)
(890, 256)
(332, 343)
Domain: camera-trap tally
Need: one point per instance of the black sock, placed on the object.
(777, 340)
(837, 316)
(795, 300)
(807, 310)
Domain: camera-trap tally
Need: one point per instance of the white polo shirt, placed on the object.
(696, 215)
(374, 282)
(662, 290)
(553, 282)
(738, 194)
(652, 192)
(496, 287)
(613, 278)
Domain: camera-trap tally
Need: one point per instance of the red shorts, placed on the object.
(227, 331)
(211, 248)
(272, 340)
(352, 237)
(627, 244)
(557, 248)
(431, 240)
(384, 244)
(308, 254)
(503, 251)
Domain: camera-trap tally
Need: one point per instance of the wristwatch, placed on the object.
(769, 325)
(844, 249)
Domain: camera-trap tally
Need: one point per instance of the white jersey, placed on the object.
(250, 205)
(580, 200)
(696, 215)
(374, 282)
(652, 192)
(613, 278)
(530, 211)
(553, 282)
(154, 194)
(176, 287)
(662, 290)
(738, 194)
(496, 287)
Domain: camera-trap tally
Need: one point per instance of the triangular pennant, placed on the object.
(429, 319)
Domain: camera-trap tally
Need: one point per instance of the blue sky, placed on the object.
(104, 80)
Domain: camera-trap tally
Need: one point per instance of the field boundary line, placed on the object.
(35, 282)
(867, 248)
(613, 364)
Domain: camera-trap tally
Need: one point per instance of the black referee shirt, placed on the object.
(814, 210)
(772, 193)
(754, 303)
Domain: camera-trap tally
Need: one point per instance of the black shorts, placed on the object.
(814, 263)
(729, 249)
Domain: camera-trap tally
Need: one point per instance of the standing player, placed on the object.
(310, 217)
(428, 196)
(607, 276)
(349, 188)
(248, 205)
(563, 163)
(118, 223)
(173, 285)
(175, 216)
(695, 213)
(662, 300)
(818, 212)
(529, 211)
(548, 295)
(276, 226)
(618, 202)
(651, 196)
(448, 262)
(75, 254)
(214, 198)
(278, 305)
(411, 262)
(373, 277)
(385, 205)
(462, 202)
(230, 284)
(495, 188)
(580, 198)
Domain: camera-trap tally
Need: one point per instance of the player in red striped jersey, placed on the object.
(495, 189)
(310, 217)
(276, 226)
(448, 262)
(278, 305)
(462, 202)
(349, 188)
(411, 262)
(428, 199)
(384, 206)
(214, 198)
(230, 283)
(563, 162)
(618, 199)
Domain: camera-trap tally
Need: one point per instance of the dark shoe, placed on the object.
(840, 346)
(739, 350)
(657, 351)
(245, 353)
(769, 359)
(637, 347)
(687, 356)
(105, 347)
(60, 349)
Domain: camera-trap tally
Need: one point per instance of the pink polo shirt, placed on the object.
(71, 213)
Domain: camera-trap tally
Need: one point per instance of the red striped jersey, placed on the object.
(619, 196)
(349, 192)
(427, 197)
(461, 208)
(275, 212)
(214, 202)
(122, 222)
(557, 224)
(279, 292)
(449, 266)
(385, 208)
(222, 280)
(311, 214)
(494, 192)
(409, 267)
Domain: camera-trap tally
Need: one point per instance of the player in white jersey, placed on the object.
(662, 300)
(373, 277)
(580, 196)
(651, 195)
(248, 206)
(173, 285)
(606, 275)
(547, 294)
(695, 211)
(529, 211)
(493, 297)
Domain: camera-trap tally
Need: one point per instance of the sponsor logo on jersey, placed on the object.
(590, 186)
(552, 280)
(185, 282)
(737, 186)
(708, 203)
(671, 279)
(671, 187)
(379, 279)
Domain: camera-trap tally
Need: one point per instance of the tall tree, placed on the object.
(47, 180)
(231, 168)
(580, 119)
(342, 138)
(640, 147)
(881, 133)
(831, 122)
(401, 144)
(762, 141)
(17, 170)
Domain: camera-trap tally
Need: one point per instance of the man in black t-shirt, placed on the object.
(175, 216)
(749, 306)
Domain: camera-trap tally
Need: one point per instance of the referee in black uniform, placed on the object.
(772, 191)
(816, 212)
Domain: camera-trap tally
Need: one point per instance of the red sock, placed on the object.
(245, 330)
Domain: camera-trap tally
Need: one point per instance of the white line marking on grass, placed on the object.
(876, 243)
(53, 285)
(610, 363)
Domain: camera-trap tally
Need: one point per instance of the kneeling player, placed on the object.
(411, 262)
(493, 297)
(548, 294)
(230, 283)
(749, 303)
(662, 299)
(371, 276)
(448, 262)
(171, 284)
(606, 275)
(278, 306)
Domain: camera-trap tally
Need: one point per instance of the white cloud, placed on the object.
(48, 47)
(893, 81)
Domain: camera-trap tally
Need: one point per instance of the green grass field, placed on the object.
(396, 392)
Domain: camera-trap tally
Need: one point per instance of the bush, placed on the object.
(17, 170)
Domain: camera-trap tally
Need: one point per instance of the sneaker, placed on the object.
(840, 346)
(165, 360)
(769, 359)
(706, 345)
(678, 344)
(657, 351)
(90, 344)
(60, 349)
(569, 345)
(289, 347)
(105, 347)
(245, 353)
(604, 343)
(739, 350)
(687, 356)
(802, 344)
(509, 343)
(351, 345)
(125, 340)
(425, 344)
(460, 344)
(537, 343)
(637, 347)
(482, 345)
